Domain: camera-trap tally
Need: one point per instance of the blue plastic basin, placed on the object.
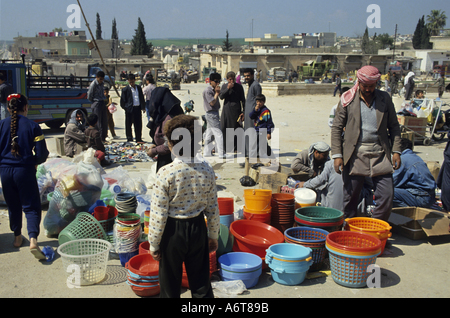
(240, 266)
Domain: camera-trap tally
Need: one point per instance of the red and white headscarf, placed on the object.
(366, 75)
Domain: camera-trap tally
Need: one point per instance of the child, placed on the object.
(94, 140)
(22, 148)
(108, 102)
(263, 123)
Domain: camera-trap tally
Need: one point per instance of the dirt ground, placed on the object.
(409, 268)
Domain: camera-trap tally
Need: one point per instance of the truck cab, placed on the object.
(51, 99)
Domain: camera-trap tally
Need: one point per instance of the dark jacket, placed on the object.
(126, 99)
(162, 103)
(350, 118)
(93, 139)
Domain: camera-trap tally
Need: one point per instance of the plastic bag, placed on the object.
(112, 108)
(228, 289)
(76, 191)
(119, 176)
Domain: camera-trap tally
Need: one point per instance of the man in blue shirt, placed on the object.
(414, 185)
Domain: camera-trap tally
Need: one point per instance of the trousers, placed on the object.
(133, 118)
(100, 110)
(383, 191)
(213, 128)
(185, 240)
(21, 192)
(404, 198)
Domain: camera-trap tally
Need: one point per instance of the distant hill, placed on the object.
(186, 42)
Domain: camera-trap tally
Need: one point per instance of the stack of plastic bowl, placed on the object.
(288, 263)
(258, 205)
(350, 254)
(212, 269)
(240, 266)
(304, 197)
(226, 210)
(377, 228)
(254, 237)
(126, 202)
(320, 217)
(127, 232)
(311, 238)
(143, 275)
(283, 209)
(108, 224)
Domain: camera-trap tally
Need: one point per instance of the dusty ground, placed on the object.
(409, 268)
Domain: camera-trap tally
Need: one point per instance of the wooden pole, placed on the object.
(98, 50)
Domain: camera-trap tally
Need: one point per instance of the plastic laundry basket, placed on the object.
(83, 227)
(85, 260)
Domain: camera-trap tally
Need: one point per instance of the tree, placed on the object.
(365, 41)
(98, 32)
(436, 21)
(227, 46)
(384, 41)
(114, 33)
(425, 40)
(139, 45)
(417, 37)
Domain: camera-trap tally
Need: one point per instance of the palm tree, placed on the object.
(436, 21)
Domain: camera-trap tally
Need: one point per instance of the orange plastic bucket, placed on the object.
(257, 199)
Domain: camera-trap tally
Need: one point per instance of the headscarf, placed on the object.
(320, 146)
(410, 74)
(73, 120)
(366, 75)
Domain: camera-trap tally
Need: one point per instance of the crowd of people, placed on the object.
(366, 149)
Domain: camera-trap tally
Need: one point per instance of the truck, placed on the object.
(276, 74)
(68, 68)
(51, 99)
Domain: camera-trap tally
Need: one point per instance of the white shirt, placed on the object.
(135, 93)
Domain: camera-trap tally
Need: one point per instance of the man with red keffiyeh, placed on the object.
(370, 146)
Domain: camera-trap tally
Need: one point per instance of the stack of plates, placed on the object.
(126, 202)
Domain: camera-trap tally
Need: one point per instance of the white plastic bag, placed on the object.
(228, 289)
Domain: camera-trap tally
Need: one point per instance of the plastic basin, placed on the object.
(254, 237)
(240, 266)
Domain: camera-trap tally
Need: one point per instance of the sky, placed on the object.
(211, 19)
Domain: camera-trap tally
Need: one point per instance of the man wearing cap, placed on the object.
(312, 160)
(371, 143)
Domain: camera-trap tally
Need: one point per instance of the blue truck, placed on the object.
(52, 99)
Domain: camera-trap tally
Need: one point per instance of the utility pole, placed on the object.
(395, 40)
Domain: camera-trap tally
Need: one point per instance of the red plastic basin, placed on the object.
(254, 237)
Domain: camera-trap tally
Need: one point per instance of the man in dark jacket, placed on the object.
(133, 102)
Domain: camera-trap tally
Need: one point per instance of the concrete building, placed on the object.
(232, 61)
(300, 40)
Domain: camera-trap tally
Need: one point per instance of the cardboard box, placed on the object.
(268, 179)
(419, 223)
(434, 168)
(416, 124)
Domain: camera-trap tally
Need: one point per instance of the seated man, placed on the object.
(312, 160)
(414, 185)
(74, 133)
(328, 186)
